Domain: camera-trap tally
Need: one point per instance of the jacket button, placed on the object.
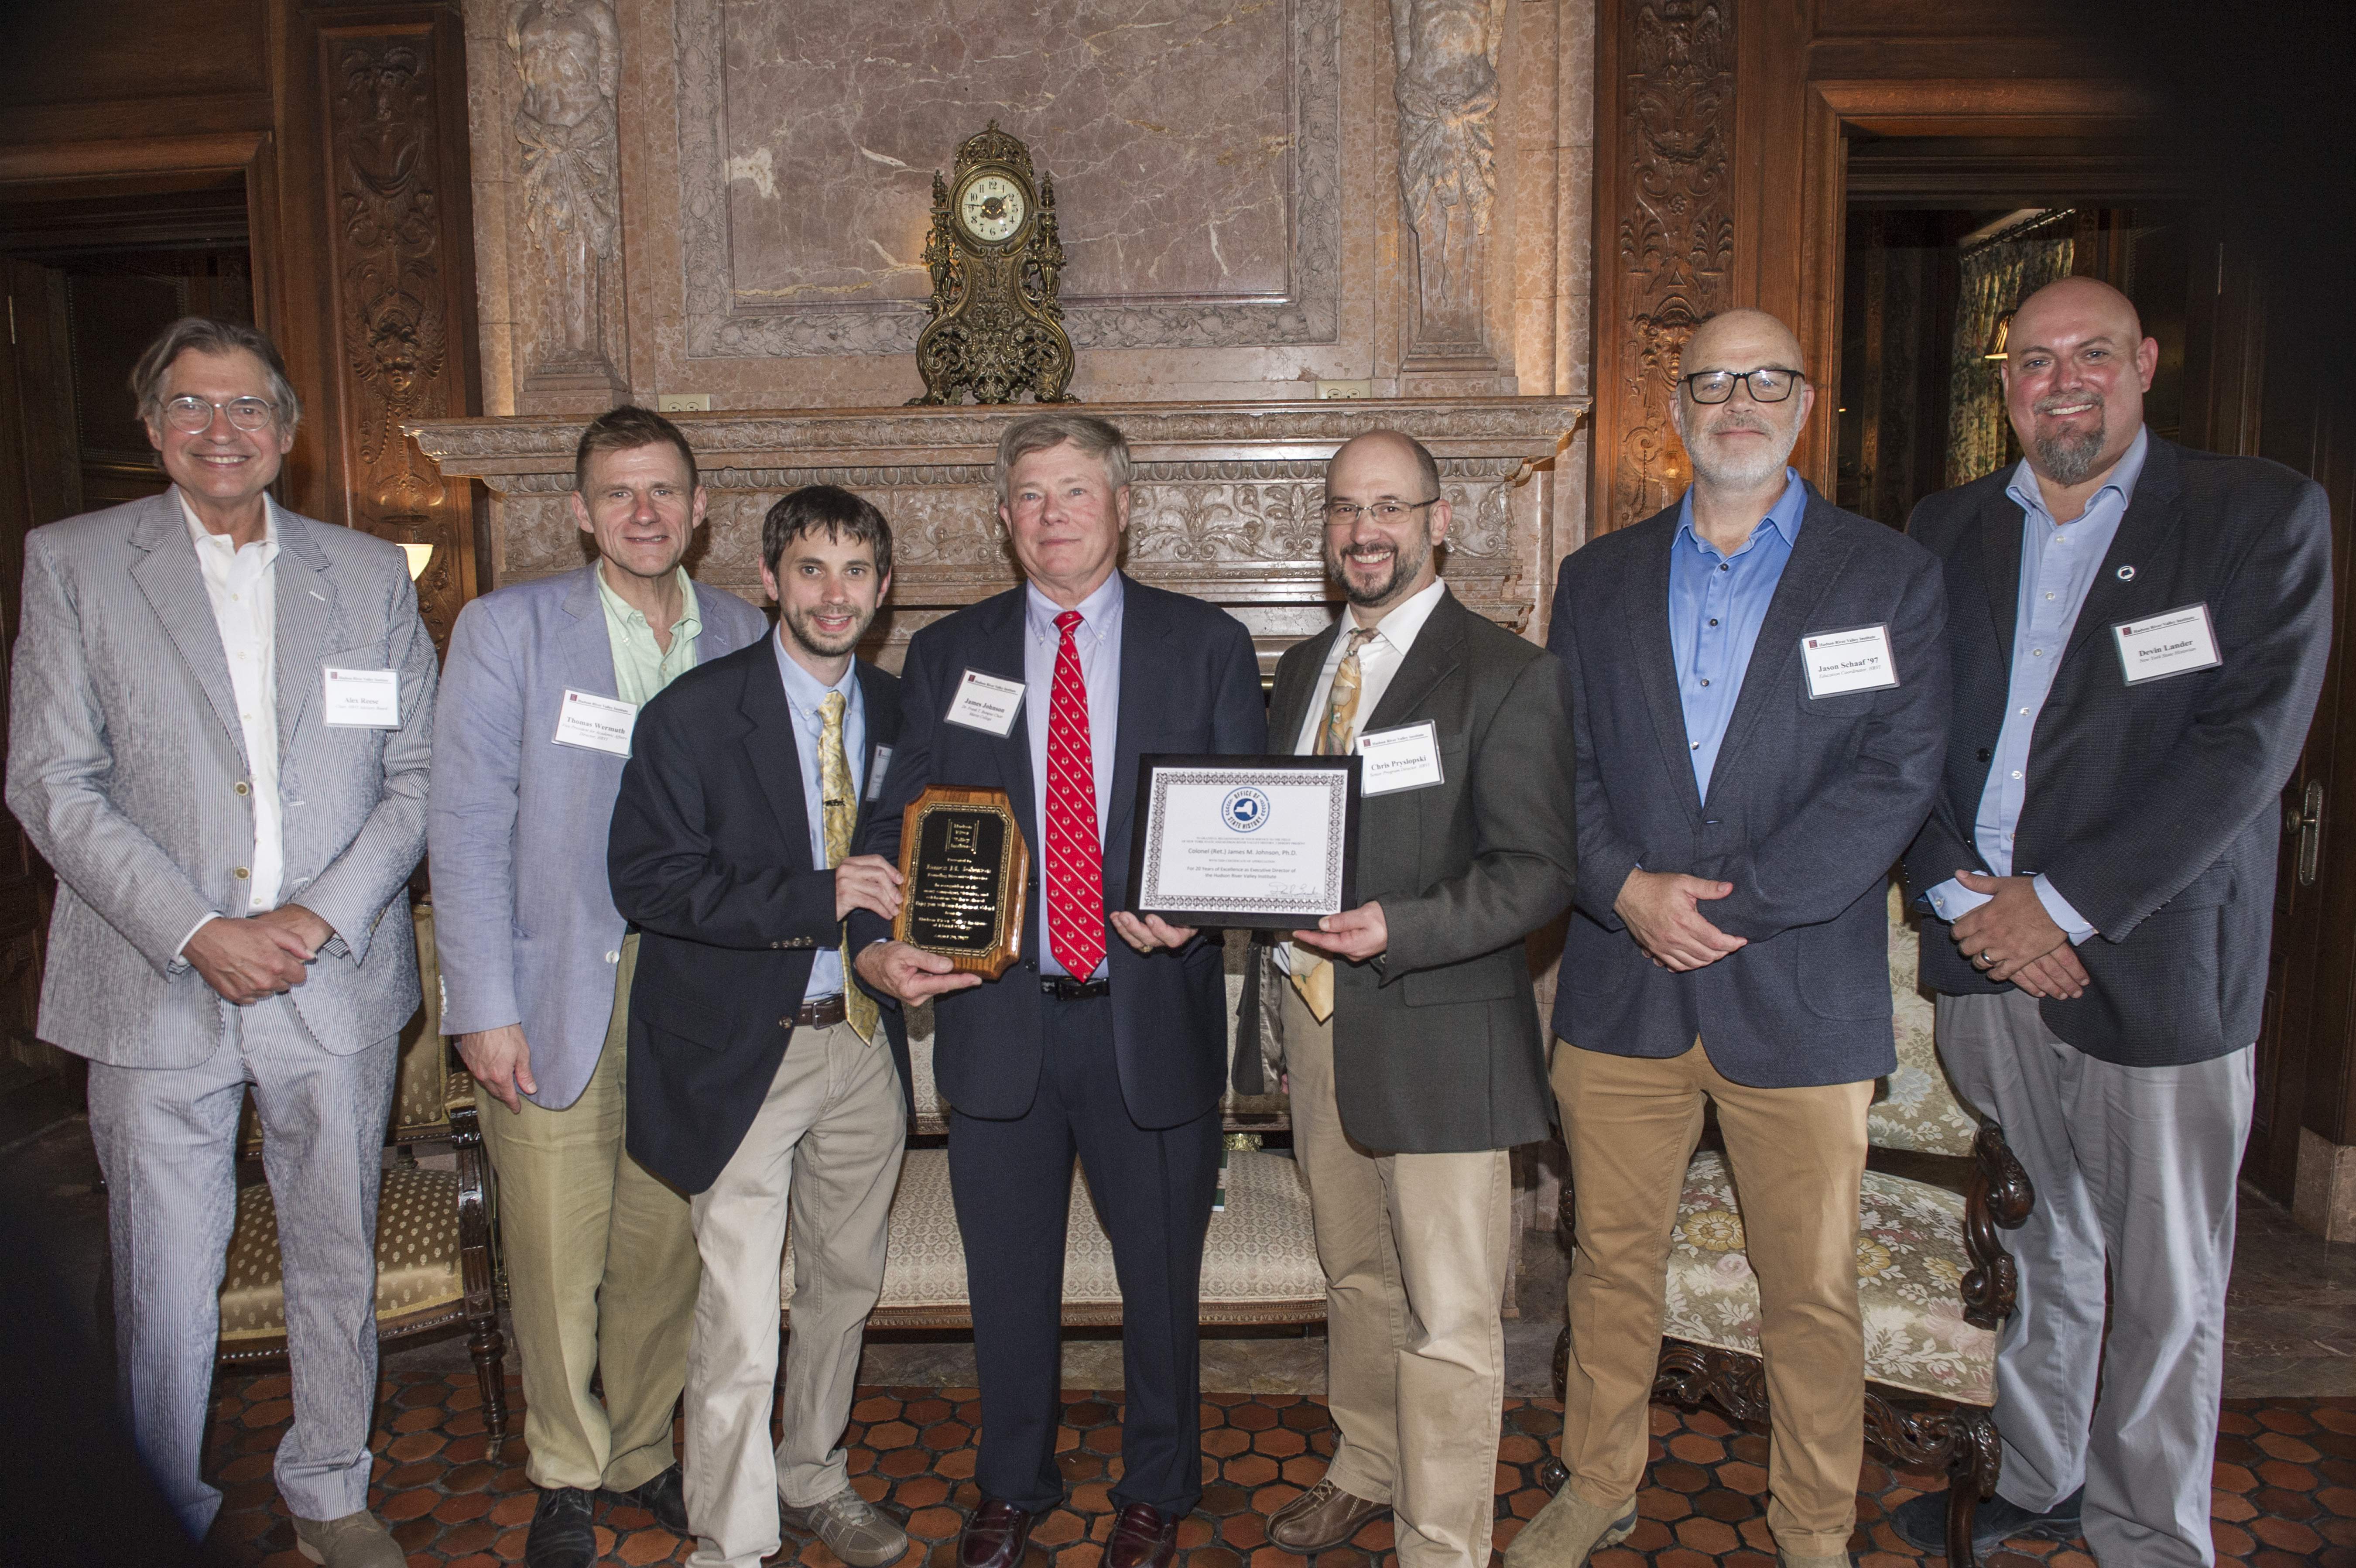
(613, 958)
(785, 1023)
(241, 788)
(242, 873)
(1986, 755)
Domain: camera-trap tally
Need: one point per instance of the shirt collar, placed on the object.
(690, 617)
(2030, 498)
(199, 532)
(804, 691)
(1400, 627)
(1791, 508)
(1097, 611)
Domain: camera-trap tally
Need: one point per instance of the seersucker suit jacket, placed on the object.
(2152, 807)
(127, 767)
(524, 920)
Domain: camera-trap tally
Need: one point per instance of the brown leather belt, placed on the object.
(823, 1014)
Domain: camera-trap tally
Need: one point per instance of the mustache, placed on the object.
(1750, 422)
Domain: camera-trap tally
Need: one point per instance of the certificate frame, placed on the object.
(1149, 841)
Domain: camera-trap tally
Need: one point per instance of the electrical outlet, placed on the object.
(1345, 389)
(683, 402)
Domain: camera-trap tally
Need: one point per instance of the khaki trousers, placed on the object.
(1797, 1157)
(1414, 1249)
(601, 1277)
(824, 1146)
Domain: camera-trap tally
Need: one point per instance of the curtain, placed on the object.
(1998, 275)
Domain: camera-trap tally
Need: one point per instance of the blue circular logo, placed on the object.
(1244, 810)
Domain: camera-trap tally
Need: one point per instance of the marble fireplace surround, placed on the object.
(1226, 505)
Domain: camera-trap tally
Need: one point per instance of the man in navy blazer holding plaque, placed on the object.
(1108, 1038)
(1759, 694)
(2139, 638)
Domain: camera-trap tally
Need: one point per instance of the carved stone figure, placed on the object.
(569, 54)
(1447, 93)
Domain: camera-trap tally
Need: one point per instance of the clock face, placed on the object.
(992, 209)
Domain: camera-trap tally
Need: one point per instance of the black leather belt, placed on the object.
(1065, 989)
(823, 1014)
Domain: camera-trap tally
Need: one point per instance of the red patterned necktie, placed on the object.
(1076, 917)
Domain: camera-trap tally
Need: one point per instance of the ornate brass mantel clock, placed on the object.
(997, 331)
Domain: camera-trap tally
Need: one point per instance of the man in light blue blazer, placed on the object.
(539, 701)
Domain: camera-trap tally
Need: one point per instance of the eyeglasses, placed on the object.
(194, 415)
(1346, 512)
(1767, 385)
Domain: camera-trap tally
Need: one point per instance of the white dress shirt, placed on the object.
(1379, 658)
(243, 590)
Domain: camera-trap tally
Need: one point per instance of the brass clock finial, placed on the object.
(997, 329)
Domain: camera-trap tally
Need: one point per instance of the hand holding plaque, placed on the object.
(964, 865)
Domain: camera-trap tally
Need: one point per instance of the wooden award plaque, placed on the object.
(964, 866)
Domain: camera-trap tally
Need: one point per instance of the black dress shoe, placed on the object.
(1142, 1537)
(665, 1496)
(994, 1536)
(1921, 1523)
(561, 1535)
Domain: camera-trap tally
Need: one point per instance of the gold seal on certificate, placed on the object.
(1264, 842)
(964, 864)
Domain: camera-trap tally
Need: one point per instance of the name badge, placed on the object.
(2176, 642)
(362, 699)
(875, 767)
(986, 703)
(1838, 662)
(594, 723)
(1403, 758)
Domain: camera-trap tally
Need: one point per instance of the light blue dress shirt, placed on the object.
(1717, 604)
(1097, 642)
(2059, 562)
(803, 695)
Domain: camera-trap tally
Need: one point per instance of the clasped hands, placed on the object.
(2011, 938)
(258, 956)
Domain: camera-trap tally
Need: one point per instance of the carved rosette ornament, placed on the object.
(997, 328)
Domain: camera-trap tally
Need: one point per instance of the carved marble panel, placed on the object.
(1196, 154)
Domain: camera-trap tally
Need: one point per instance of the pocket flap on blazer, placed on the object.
(684, 1017)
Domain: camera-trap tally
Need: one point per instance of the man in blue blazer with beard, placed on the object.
(1109, 1039)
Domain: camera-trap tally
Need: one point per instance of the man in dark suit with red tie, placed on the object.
(1112, 1049)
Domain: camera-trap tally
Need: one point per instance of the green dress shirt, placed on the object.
(641, 668)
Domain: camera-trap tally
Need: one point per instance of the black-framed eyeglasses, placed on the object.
(194, 415)
(1346, 512)
(1768, 384)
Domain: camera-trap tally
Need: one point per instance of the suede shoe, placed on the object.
(1921, 1523)
(561, 1535)
(852, 1528)
(1321, 1519)
(1567, 1530)
(356, 1540)
(665, 1496)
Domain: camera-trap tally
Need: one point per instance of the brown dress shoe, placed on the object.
(1142, 1537)
(994, 1536)
(1321, 1519)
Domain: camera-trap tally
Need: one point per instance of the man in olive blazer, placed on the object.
(1411, 1030)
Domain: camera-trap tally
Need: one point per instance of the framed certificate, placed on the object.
(1267, 842)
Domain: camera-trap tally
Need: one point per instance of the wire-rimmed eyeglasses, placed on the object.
(194, 415)
(1769, 383)
(1346, 512)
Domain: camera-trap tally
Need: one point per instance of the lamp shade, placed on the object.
(1998, 339)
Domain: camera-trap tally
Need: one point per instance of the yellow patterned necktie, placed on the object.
(1314, 979)
(841, 808)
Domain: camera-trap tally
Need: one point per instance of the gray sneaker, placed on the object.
(356, 1540)
(852, 1529)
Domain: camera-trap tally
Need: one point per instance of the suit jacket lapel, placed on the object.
(879, 697)
(1655, 660)
(307, 615)
(775, 752)
(1817, 556)
(1438, 648)
(1002, 654)
(175, 586)
(584, 648)
(1288, 707)
(1144, 636)
(1999, 526)
(2142, 536)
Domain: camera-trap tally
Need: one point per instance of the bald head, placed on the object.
(1383, 516)
(1740, 445)
(1392, 443)
(1748, 332)
(2076, 367)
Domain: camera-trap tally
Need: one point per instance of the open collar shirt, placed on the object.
(642, 667)
(1717, 605)
(241, 585)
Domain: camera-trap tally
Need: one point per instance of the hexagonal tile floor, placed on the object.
(2285, 1483)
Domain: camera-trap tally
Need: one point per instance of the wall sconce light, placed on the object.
(1999, 337)
(414, 534)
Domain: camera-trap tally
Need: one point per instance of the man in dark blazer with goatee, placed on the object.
(2139, 634)
(1109, 1039)
(760, 1084)
(1760, 696)
(1411, 1035)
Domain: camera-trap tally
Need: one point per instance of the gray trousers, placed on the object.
(167, 1139)
(2134, 1170)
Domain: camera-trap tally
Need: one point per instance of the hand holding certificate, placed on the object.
(1266, 842)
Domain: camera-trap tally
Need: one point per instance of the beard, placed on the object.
(2067, 457)
(1407, 564)
(801, 624)
(1736, 473)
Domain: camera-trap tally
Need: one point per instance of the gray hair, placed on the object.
(209, 335)
(1095, 437)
